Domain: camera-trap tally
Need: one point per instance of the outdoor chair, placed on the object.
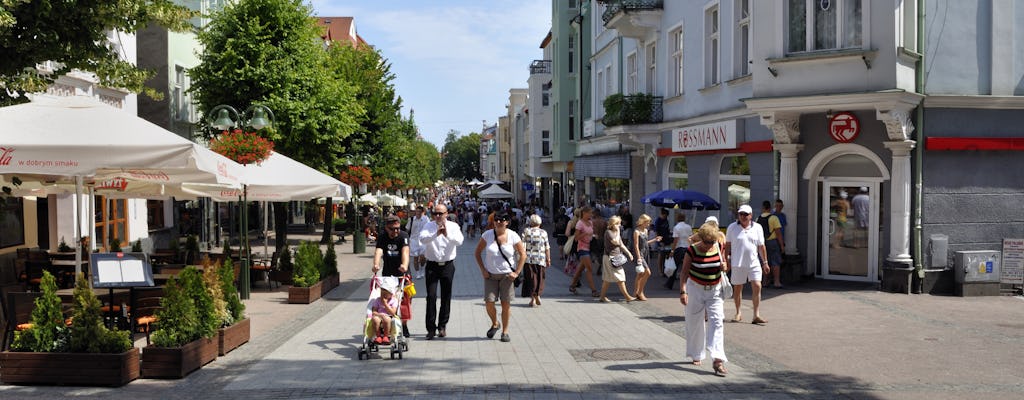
(265, 267)
(145, 302)
(19, 306)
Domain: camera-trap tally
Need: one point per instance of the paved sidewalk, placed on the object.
(823, 340)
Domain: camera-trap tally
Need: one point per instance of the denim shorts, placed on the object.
(583, 253)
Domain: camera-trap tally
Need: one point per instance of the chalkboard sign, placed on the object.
(120, 270)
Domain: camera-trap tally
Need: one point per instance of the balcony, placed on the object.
(632, 110)
(636, 19)
(540, 67)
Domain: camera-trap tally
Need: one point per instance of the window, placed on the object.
(824, 24)
(111, 222)
(601, 94)
(711, 46)
(742, 47)
(651, 69)
(545, 143)
(678, 177)
(545, 98)
(609, 80)
(180, 104)
(572, 120)
(155, 214)
(572, 58)
(676, 77)
(631, 74)
(735, 178)
(12, 225)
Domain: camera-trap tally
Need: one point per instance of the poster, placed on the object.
(1013, 261)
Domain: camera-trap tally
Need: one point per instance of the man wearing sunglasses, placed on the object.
(439, 238)
(746, 256)
(393, 250)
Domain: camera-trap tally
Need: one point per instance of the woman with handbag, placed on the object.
(641, 246)
(703, 290)
(538, 259)
(584, 235)
(505, 258)
(614, 260)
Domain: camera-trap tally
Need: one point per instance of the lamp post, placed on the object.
(358, 237)
(260, 117)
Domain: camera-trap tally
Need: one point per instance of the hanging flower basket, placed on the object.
(242, 147)
(356, 175)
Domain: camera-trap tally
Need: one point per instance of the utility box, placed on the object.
(977, 266)
(939, 251)
(977, 272)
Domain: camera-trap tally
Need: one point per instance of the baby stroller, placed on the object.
(372, 340)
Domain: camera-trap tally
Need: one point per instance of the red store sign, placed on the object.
(844, 127)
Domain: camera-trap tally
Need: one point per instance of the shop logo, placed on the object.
(844, 127)
(118, 184)
(5, 155)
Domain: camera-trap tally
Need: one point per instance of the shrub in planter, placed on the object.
(137, 246)
(235, 307)
(211, 280)
(330, 264)
(308, 261)
(115, 245)
(88, 333)
(187, 311)
(235, 327)
(49, 332)
(191, 249)
(63, 246)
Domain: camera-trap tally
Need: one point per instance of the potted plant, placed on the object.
(115, 245)
(329, 270)
(306, 286)
(285, 268)
(63, 247)
(84, 353)
(191, 249)
(187, 325)
(137, 246)
(235, 327)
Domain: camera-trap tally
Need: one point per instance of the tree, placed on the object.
(73, 34)
(269, 52)
(461, 158)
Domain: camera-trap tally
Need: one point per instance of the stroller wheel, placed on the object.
(392, 354)
(405, 346)
(399, 354)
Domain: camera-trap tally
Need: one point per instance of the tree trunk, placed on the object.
(328, 221)
(280, 226)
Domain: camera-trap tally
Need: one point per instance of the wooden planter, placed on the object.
(331, 282)
(282, 277)
(177, 362)
(78, 369)
(305, 295)
(230, 337)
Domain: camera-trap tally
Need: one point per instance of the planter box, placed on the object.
(78, 369)
(230, 337)
(331, 282)
(177, 362)
(302, 295)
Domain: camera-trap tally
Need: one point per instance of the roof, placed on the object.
(340, 29)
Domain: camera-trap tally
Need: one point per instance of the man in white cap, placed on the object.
(747, 257)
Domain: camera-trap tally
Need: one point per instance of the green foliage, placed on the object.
(236, 309)
(137, 246)
(211, 280)
(285, 263)
(462, 156)
(187, 311)
(88, 333)
(191, 248)
(74, 34)
(330, 264)
(63, 246)
(308, 261)
(48, 333)
(115, 245)
(629, 110)
(269, 52)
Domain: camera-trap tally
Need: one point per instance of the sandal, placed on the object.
(593, 293)
(720, 368)
(572, 289)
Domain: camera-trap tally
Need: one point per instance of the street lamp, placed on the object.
(259, 117)
(358, 237)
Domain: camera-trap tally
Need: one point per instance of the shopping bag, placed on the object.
(670, 266)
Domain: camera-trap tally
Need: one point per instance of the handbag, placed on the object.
(570, 245)
(619, 260)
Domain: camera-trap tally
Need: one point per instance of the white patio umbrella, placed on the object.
(278, 178)
(368, 198)
(391, 200)
(70, 140)
(494, 192)
(474, 182)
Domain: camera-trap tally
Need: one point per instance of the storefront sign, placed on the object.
(1013, 261)
(844, 127)
(713, 136)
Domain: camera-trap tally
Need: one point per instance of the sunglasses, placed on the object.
(394, 228)
(439, 213)
(744, 214)
(501, 220)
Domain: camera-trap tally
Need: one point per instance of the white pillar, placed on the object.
(788, 181)
(899, 203)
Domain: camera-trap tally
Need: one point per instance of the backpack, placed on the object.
(763, 221)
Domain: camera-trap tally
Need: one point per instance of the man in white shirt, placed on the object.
(415, 225)
(747, 257)
(680, 241)
(439, 238)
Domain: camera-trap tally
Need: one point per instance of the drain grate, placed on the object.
(616, 354)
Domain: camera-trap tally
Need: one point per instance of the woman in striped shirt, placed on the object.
(700, 280)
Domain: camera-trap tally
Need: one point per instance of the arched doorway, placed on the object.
(845, 205)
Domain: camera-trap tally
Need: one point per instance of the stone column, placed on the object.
(788, 190)
(899, 203)
(637, 187)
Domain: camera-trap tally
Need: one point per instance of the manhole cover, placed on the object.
(617, 354)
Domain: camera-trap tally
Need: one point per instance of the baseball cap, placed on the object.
(843, 194)
(711, 218)
(745, 209)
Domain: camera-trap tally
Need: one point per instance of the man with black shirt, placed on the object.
(393, 250)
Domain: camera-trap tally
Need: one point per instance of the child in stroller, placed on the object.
(383, 318)
(384, 309)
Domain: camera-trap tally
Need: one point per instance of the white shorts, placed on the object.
(741, 275)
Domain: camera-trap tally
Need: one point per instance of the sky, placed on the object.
(454, 60)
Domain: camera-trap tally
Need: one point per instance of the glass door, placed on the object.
(849, 226)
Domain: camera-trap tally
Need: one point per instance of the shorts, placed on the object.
(582, 253)
(741, 275)
(774, 252)
(498, 287)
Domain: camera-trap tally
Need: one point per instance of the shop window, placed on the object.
(735, 177)
(678, 177)
(110, 222)
(611, 190)
(12, 226)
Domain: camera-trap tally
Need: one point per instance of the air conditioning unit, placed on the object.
(977, 266)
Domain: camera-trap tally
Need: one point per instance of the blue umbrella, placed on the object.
(686, 199)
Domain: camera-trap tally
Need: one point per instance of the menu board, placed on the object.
(119, 270)
(1013, 261)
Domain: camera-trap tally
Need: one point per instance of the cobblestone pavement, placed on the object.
(824, 340)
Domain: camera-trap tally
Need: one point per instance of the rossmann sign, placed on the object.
(713, 136)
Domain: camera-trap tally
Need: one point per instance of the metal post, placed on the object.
(243, 251)
(358, 238)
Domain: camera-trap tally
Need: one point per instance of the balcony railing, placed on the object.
(540, 67)
(615, 6)
(632, 109)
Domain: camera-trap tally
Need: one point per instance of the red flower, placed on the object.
(242, 147)
(356, 175)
